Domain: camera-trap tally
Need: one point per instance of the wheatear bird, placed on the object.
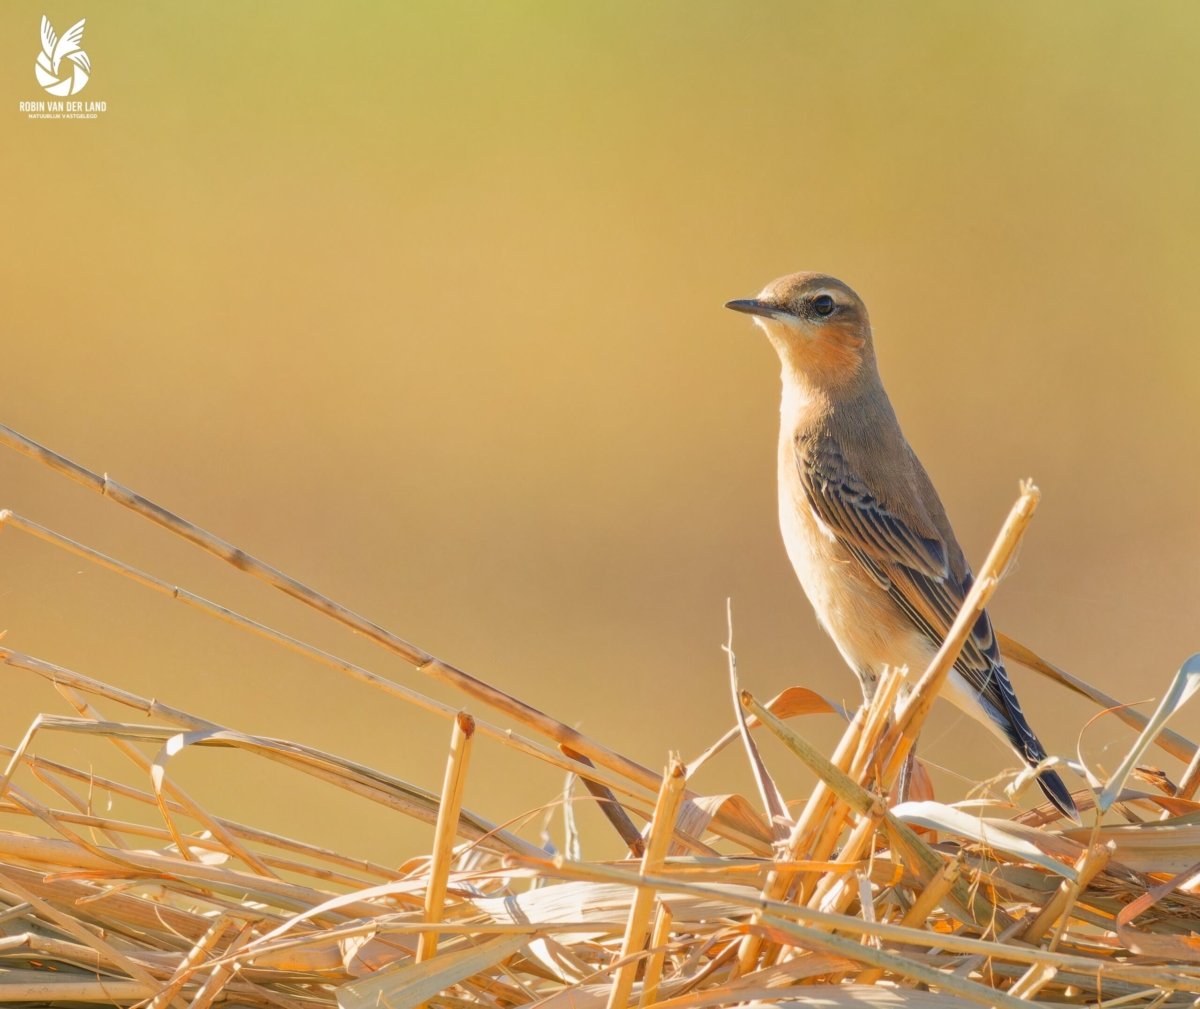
(864, 528)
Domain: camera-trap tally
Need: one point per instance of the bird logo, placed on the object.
(57, 77)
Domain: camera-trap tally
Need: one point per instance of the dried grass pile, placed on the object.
(849, 898)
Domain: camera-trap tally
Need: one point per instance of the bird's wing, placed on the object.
(856, 515)
(49, 39)
(914, 568)
(70, 41)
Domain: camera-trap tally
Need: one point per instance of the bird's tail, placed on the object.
(1027, 744)
(1010, 719)
(1058, 793)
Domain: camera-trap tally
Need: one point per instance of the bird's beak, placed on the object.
(762, 309)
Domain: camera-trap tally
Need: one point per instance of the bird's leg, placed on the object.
(868, 679)
(904, 780)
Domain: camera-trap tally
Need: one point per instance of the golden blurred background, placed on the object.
(422, 303)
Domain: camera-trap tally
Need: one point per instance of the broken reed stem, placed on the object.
(1191, 777)
(659, 939)
(624, 775)
(827, 921)
(774, 804)
(423, 661)
(190, 962)
(354, 671)
(879, 712)
(840, 810)
(446, 830)
(819, 803)
(610, 807)
(800, 935)
(171, 790)
(879, 715)
(366, 782)
(856, 844)
(822, 799)
(933, 895)
(67, 855)
(222, 971)
(920, 859)
(925, 904)
(85, 936)
(1063, 900)
(662, 828)
(1027, 986)
(32, 988)
(40, 767)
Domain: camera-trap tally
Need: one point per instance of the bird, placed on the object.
(862, 524)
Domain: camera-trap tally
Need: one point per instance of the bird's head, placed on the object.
(819, 327)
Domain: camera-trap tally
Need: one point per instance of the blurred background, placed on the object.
(422, 303)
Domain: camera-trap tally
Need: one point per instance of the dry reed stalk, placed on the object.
(605, 776)
(789, 702)
(1191, 778)
(659, 939)
(423, 661)
(661, 829)
(1027, 986)
(794, 934)
(799, 842)
(835, 922)
(453, 786)
(164, 791)
(610, 806)
(1066, 965)
(40, 987)
(40, 766)
(117, 830)
(155, 921)
(367, 782)
(105, 951)
(213, 985)
(926, 903)
(356, 672)
(879, 712)
(97, 906)
(921, 861)
(773, 801)
(50, 854)
(195, 956)
(1088, 865)
(840, 809)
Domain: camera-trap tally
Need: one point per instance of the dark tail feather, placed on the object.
(1028, 745)
(1058, 793)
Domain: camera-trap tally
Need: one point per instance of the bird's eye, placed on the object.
(823, 304)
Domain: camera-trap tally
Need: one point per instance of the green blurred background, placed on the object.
(422, 303)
